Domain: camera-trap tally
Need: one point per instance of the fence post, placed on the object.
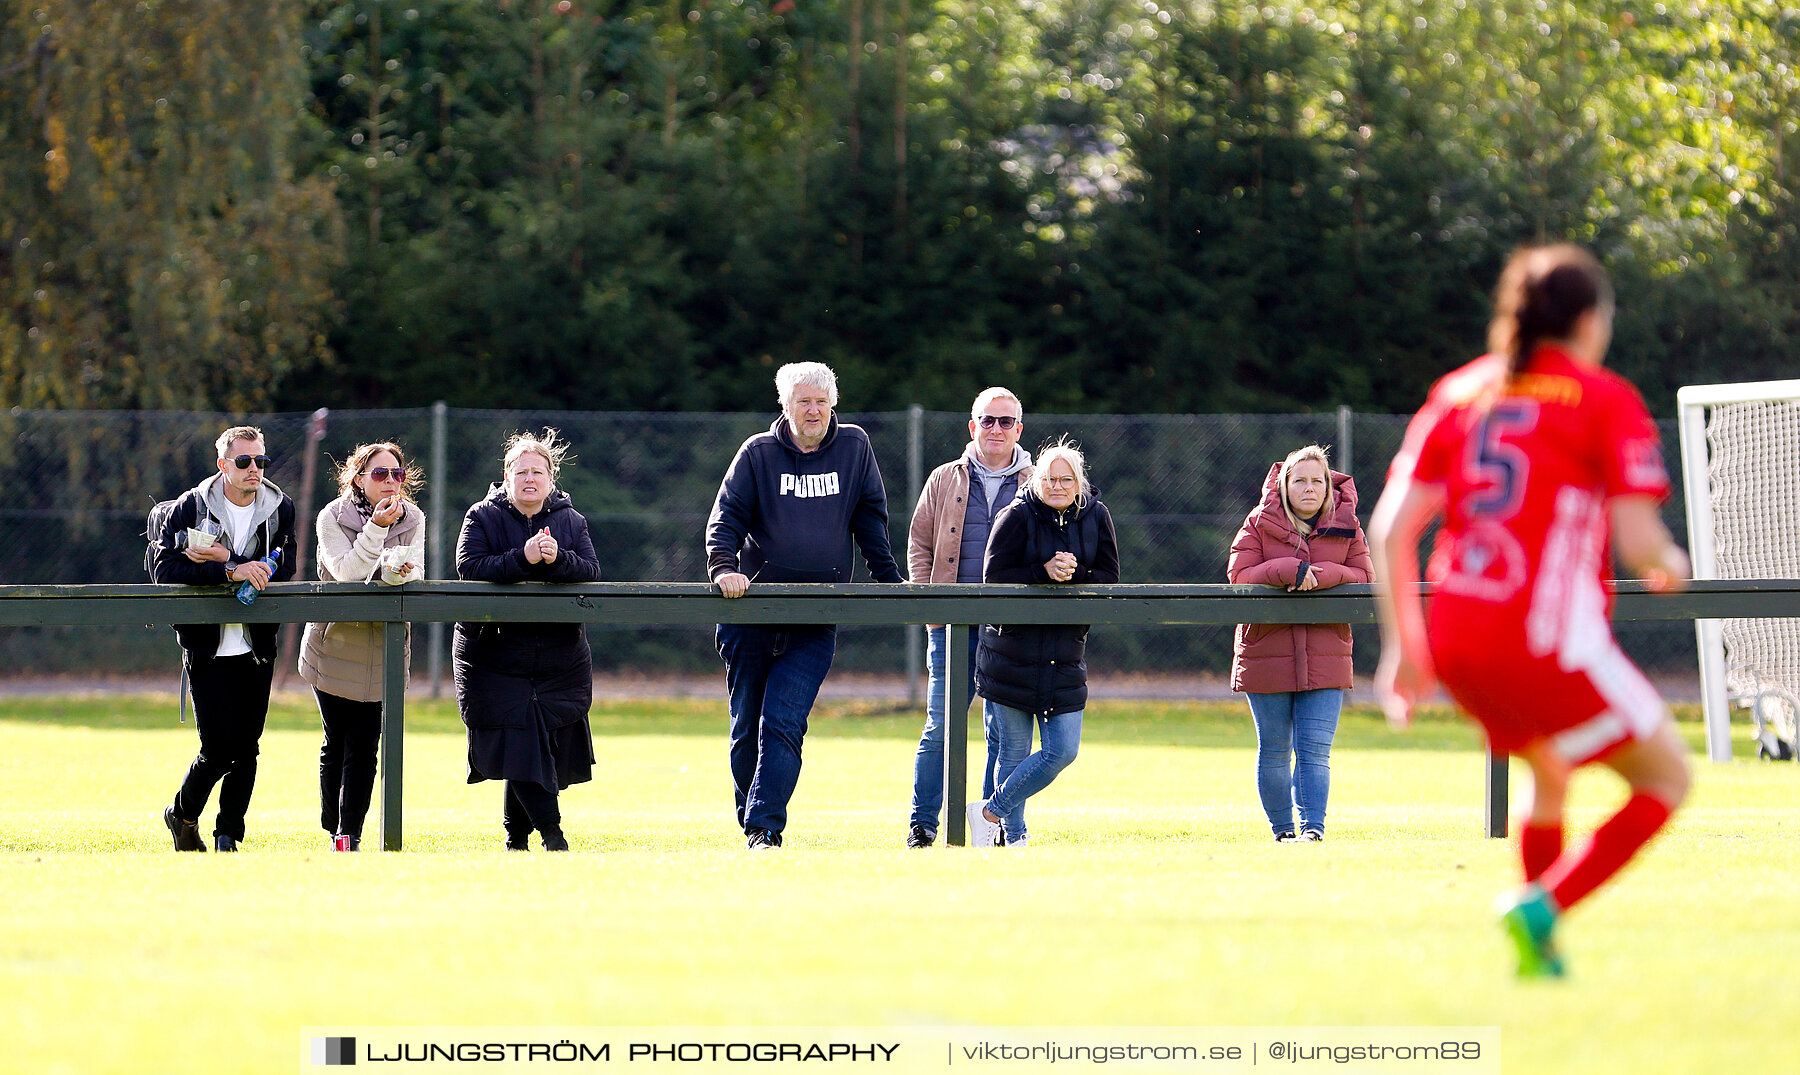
(303, 523)
(393, 729)
(915, 481)
(1346, 454)
(438, 555)
(956, 734)
(1496, 794)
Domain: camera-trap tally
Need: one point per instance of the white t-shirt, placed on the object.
(240, 524)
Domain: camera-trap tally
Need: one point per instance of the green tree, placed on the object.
(156, 248)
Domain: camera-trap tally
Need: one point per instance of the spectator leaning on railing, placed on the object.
(1302, 537)
(946, 543)
(524, 689)
(373, 532)
(793, 503)
(1035, 675)
(221, 532)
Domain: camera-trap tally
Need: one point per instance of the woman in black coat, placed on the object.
(524, 688)
(1056, 531)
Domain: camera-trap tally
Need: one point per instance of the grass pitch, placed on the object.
(1152, 895)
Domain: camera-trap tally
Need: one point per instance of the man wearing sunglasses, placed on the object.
(217, 535)
(946, 543)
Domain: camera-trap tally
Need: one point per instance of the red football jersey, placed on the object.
(1518, 624)
(1528, 466)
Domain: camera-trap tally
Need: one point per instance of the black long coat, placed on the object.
(1042, 668)
(524, 688)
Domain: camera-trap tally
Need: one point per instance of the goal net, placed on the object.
(1740, 454)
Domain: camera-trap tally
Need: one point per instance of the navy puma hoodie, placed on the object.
(783, 515)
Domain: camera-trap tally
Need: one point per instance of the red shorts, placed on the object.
(1585, 698)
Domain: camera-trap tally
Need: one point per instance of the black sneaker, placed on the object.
(1286, 836)
(763, 840)
(186, 833)
(518, 841)
(222, 842)
(554, 840)
(920, 836)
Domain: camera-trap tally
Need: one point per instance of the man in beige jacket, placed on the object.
(945, 544)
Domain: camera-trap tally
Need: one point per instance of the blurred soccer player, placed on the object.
(1531, 454)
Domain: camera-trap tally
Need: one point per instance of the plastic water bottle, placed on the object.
(245, 591)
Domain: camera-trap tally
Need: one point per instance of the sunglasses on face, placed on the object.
(1004, 421)
(243, 462)
(382, 474)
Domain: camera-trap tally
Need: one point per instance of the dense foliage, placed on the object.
(1109, 204)
(157, 247)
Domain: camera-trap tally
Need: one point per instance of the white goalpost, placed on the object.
(1740, 470)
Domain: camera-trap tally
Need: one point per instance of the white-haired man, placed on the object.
(796, 503)
(945, 544)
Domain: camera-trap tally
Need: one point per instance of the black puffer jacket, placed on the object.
(524, 688)
(1042, 669)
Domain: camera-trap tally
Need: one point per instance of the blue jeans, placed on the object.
(1300, 724)
(1020, 774)
(773, 676)
(928, 764)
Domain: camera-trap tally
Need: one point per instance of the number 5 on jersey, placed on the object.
(1496, 469)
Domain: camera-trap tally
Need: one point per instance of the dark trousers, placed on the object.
(231, 702)
(773, 676)
(347, 762)
(529, 806)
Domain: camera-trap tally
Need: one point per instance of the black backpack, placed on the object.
(155, 524)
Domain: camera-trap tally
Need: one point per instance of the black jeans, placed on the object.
(231, 702)
(529, 806)
(347, 762)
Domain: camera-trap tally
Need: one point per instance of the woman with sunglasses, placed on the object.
(1057, 531)
(373, 532)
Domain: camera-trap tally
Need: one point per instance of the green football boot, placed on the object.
(1529, 916)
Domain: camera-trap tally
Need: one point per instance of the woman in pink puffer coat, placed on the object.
(1303, 536)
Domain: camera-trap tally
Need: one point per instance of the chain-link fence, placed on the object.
(80, 483)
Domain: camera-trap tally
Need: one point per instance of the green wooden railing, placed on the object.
(959, 606)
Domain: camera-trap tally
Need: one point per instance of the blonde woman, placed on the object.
(1302, 537)
(524, 689)
(1055, 532)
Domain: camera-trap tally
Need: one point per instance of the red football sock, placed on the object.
(1540, 844)
(1572, 877)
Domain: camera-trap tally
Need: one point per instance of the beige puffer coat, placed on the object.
(344, 659)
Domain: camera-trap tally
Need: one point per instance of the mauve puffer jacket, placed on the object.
(1268, 658)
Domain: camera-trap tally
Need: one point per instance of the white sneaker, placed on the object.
(1023, 841)
(982, 832)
